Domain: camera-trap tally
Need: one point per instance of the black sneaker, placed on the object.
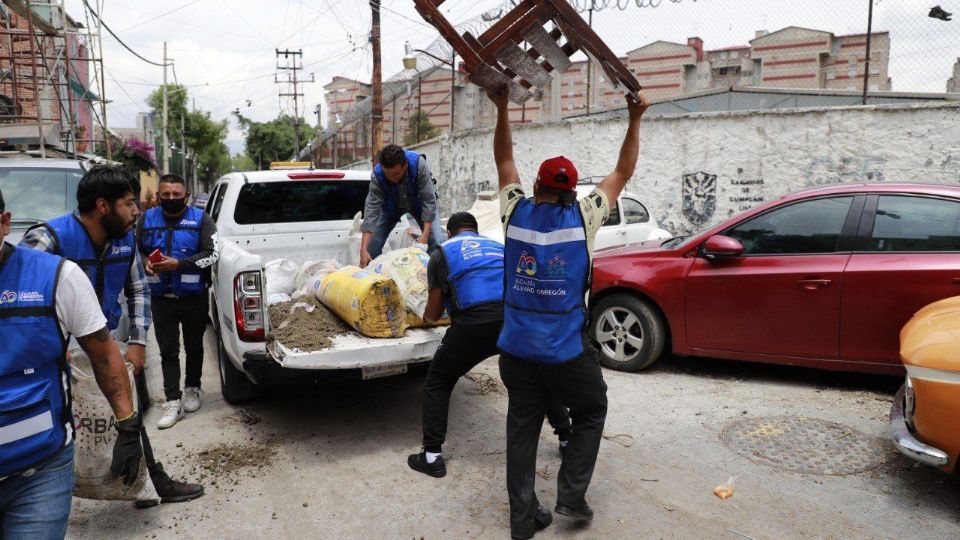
(584, 513)
(170, 490)
(541, 521)
(418, 462)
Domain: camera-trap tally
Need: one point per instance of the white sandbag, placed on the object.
(281, 276)
(312, 269)
(354, 238)
(94, 437)
(278, 298)
(408, 269)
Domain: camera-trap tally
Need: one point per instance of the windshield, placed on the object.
(34, 194)
(300, 200)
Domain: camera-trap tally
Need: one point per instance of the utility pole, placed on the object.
(376, 115)
(453, 88)
(589, 64)
(866, 67)
(292, 64)
(166, 143)
(183, 146)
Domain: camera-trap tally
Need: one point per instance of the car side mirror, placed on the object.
(721, 247)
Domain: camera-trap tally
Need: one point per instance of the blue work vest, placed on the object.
(547, 268)
(36, 419)
(108, 271)
(180, 241)
(475, 271)
(391, 191)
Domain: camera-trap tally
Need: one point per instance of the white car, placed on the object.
(629, 221)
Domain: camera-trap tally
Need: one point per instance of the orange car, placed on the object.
(923, 419)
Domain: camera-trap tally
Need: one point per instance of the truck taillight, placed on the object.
(248, 306)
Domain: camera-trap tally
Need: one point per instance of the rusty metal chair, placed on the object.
(495, 60)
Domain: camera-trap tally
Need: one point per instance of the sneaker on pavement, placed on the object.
(191, 399)
(169, 490)
(172, 413)
(418, 462)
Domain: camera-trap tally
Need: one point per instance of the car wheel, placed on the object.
(629, 332)
(234, 385)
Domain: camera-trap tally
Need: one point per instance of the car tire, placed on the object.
(234, 385)
(629, 332)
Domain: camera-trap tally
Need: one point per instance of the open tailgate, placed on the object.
(353, 351)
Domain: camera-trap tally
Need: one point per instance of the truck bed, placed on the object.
(353, 351)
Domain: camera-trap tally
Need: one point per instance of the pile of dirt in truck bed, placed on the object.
(302, 330)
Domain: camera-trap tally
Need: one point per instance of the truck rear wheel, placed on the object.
(234, 385)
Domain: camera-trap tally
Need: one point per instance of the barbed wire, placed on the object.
(600, 5)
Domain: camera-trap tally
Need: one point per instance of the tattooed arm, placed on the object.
(109, 370)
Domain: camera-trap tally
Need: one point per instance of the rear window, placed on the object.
(300, 200)
(40, 193)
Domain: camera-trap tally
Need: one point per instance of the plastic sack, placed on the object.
(370, 303)
(314, 269)
(408, 268)
(278, 298)
(94, 436)
(281, 275)
(354, 238)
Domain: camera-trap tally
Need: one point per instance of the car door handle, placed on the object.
(622, 233)
(956, 281)
(814, 284)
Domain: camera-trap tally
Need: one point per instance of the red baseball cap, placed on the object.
(558, 172)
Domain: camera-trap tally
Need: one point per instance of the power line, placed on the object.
(120, 41)
(139, 24)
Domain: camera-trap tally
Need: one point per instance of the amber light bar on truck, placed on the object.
(248, 306)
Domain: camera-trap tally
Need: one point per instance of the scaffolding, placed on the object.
(46, 58)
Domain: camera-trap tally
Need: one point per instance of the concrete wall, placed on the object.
(699, 169)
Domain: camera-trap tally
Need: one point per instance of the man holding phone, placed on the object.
(180, 244)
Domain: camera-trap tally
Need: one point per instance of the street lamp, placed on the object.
(410, 62)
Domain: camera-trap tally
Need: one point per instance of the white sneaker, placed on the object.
(191, 399)
(172, 413)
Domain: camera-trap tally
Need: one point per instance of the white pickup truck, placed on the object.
(298, 215)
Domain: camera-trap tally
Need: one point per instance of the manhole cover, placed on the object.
(804, 445)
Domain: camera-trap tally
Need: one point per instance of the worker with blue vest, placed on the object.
(401, 183)
(465, 278)
(99, 238)
(543, 344)
(45, 299)
(184, 240)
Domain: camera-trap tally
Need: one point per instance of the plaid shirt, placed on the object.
(136, 289)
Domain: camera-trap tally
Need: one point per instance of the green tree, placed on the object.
(242, 162)
(426, 129)
(273, 140)
(204, 136)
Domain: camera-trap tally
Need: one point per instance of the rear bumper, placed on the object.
(909, 445)
(262, 369)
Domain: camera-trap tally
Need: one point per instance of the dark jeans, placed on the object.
(462, 348)
(169, 314)
(37, 505)
(385, 226)
(579, 385)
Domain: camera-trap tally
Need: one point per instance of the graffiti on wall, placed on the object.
(826, 170)
(699, 196)
(746, 192)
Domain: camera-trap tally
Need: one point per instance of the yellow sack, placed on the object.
(407, 267)
(368, 302)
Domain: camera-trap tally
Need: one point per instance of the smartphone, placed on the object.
(156, 256)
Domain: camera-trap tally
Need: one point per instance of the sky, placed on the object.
(224, 50)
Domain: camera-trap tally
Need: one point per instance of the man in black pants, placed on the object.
(543, 347)
(466, 276)
(184, 243)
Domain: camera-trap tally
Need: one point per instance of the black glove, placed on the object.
(127, 451)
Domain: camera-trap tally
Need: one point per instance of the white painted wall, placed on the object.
(756, 156)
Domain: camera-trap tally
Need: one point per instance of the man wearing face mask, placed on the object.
(184, 241)
(98, 237)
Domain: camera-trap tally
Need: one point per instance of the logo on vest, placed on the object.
(527, 264)
(30, 296)
(469, 244)
(8, 297)
(120, 250)
(556, 267)
(188, 222)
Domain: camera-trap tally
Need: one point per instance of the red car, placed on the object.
(822, 278)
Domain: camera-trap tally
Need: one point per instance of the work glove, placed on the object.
(127, 451)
